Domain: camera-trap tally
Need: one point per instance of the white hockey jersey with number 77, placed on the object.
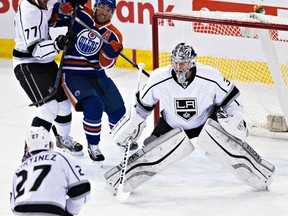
(31, 27)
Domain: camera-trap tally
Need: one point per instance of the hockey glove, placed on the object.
(79, 2)
(128, 128)
(66, 9)
(113, 49)
(65, 40)
(61, 12)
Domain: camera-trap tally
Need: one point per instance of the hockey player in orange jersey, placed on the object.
(86, 83)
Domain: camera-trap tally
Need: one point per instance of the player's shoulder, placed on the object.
(57, 156)
(27, 7)
(115, 31)
(51, 3)
(62, 155)
(88, 11)
(161, 73)
(86, 15)
(208, 72)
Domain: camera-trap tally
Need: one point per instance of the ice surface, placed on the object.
(194, 186)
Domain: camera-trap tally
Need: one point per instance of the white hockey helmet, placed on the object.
(38, 138)
(183, 54)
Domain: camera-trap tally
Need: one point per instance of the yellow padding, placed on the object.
(244, 71)
(144, 56)
(7, 46)
(240, 70)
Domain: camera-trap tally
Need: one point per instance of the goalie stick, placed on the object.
(121, 195)
(106, 42)
(59, 73)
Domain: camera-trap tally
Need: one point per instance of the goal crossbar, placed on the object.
(241, 20)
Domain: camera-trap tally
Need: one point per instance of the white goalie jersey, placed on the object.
(32, 29)
(191, 105)
(49, 183)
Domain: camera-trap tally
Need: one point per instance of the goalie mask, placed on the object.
(38, 138)
(183, 58)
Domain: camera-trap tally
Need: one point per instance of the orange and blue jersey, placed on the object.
(85, 57)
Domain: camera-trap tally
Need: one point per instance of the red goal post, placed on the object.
(248, 49)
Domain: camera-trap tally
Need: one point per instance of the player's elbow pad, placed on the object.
(105, 61)
(112, 49)
(129, 127)
(43, 50)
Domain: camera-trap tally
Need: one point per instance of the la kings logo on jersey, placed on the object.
(186, 107)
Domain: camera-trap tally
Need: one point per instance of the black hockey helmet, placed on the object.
(110, 3)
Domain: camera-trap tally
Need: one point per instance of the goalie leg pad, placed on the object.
(150, 160)
(236, 156)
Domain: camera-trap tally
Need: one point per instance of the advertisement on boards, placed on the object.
(134, 17)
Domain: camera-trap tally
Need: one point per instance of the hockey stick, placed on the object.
(106, 42)
(121, 195)
(59, 72)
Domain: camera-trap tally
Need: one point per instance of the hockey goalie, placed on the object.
(195, 101)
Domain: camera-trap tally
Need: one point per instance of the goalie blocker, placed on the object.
(128, 128)
(236, 156)
(150, 160)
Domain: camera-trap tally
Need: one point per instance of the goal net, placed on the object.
(248, 49)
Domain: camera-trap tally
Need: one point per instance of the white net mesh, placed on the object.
(254, 57)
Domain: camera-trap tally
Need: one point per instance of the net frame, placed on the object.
(242, 20)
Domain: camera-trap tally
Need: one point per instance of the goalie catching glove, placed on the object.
(129, 127)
